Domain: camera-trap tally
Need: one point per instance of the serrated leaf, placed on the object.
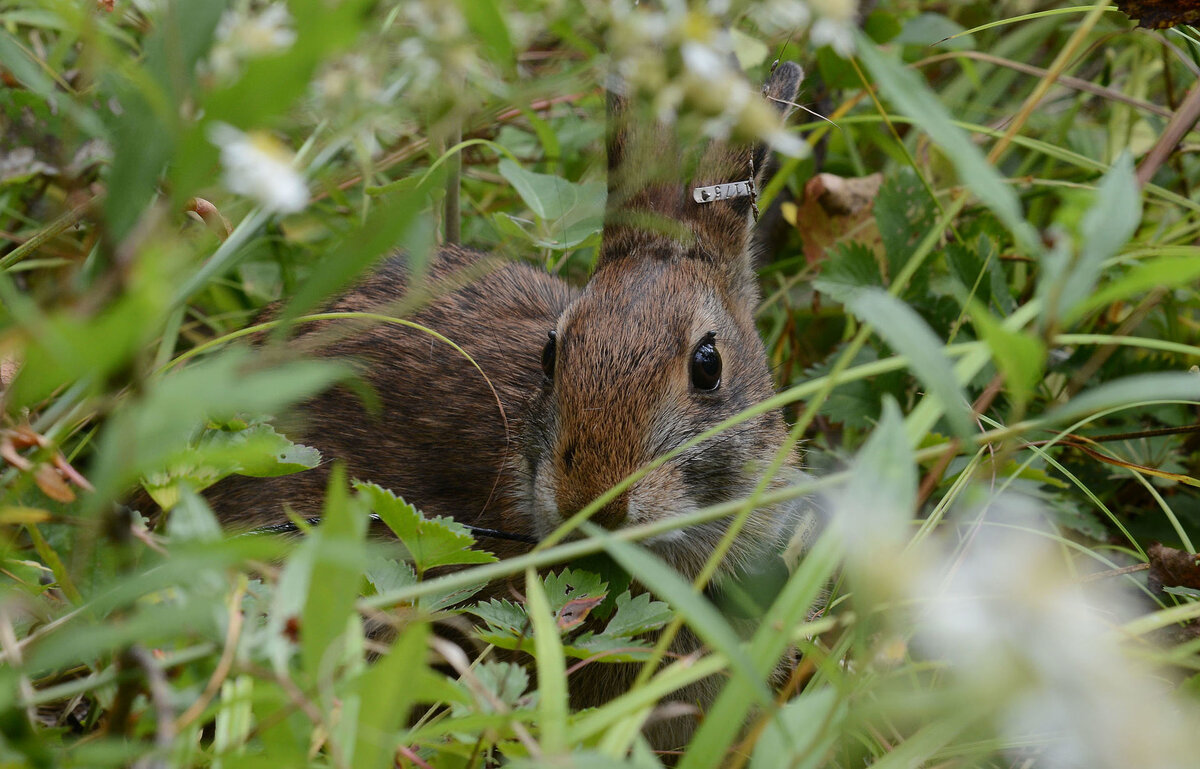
(503, 616)
(849, 269)
(636, 615)
(903, 214)
(256, 450)
(506, 681)
(573, 585)
(430, 541)
(385, 574)
(614, 648)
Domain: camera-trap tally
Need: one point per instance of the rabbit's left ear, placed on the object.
(709, 211)
(730, 176)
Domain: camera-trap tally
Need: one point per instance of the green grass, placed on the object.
(990, 374)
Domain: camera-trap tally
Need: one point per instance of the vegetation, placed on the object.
(985, 349)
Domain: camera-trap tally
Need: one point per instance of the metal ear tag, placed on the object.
(723, 191)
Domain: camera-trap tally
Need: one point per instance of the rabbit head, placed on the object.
(661, 346)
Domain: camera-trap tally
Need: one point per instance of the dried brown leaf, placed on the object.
(1160, 14)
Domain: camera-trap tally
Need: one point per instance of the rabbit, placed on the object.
(659, 346)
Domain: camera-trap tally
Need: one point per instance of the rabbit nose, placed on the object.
(610, 516)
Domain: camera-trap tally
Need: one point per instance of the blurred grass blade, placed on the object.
(336, 574)
(387, 693)
(703, 619)
(910, 94)
(551, 667)
(910, 336)
(1130, 391)
(725, 719)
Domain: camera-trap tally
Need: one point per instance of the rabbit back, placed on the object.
(436, 435)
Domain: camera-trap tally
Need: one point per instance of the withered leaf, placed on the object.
(53, 484)
(1161, 14)
(1173, 568)
(576, 611)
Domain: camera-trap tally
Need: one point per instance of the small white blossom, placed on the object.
(259, 167)
(241, 34)
(835, 24)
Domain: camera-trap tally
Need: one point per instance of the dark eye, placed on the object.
(548, 355)
(706, 364)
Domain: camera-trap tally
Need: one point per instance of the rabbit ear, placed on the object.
(660, 196)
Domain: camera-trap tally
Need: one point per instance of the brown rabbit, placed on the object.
(658, 347)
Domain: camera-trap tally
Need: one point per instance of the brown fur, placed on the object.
(620, 396)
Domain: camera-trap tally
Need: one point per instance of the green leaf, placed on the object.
(904, 214)
(1105, 228)
(637, 615)
(803, 731)
(430, 541)
(704, 620)
(1129, 391)
(909, 335)
(931, 30)
(148, 430)
(1020, 356)
(488, 26)
(551, 667)
(850, 268)
(385, 574)
(193, 521)
(912, 96)
(337, 556)
(572, 585)
(387, 694)
(503, 616)
(877, 503)
(1165, 272)
(255, 450)
(571, 212)
(507, 682)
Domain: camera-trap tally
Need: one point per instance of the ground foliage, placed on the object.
(985, 344)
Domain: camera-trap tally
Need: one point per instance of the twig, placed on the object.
(1179, 125)
(160, 696)
(1067, 81)
(1057, 67)
(1093, 577)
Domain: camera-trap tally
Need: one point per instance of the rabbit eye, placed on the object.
(706, 364)
(548, 355)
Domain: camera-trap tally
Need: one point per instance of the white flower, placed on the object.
(241, 35)
(259, 167)
(835, 24)
(838, 34)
